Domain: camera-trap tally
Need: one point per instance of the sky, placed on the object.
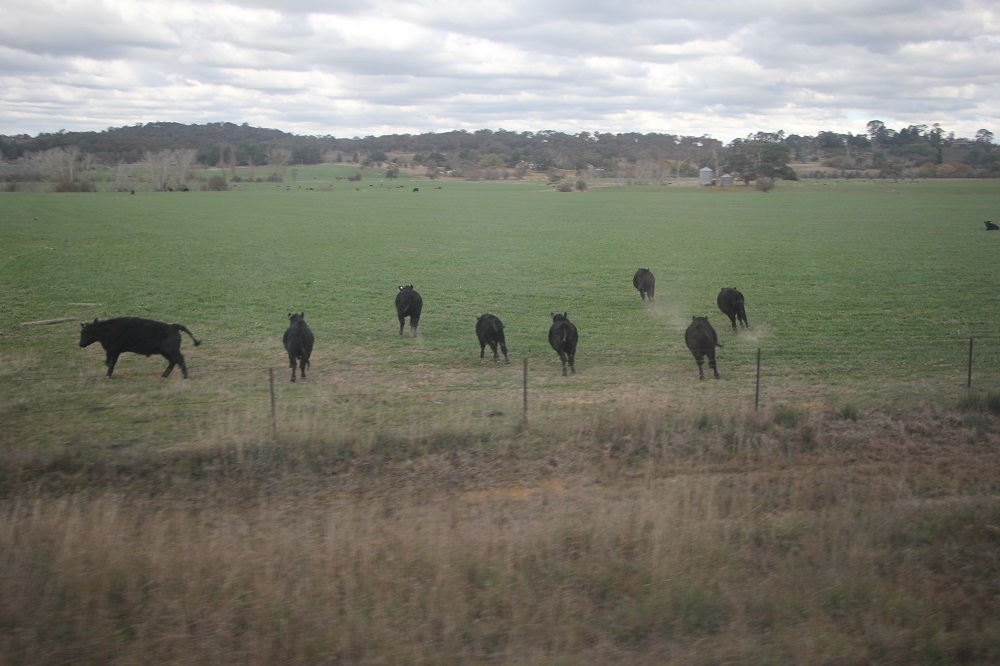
(347, 68)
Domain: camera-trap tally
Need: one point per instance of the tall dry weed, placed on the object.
(650, 532)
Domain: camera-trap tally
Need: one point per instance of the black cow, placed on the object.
(702, 341)
(644, 281)
(298, 341)
(563, 337)
(991, 226)
(139, 336)
(489, 330)
(408, 304)
(730, 301)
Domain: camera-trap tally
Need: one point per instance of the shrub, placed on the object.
(765, 184)
(217, 184)
(581, 185)
(564, 187)
(850, 412)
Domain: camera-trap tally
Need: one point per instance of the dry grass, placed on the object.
(635, 530)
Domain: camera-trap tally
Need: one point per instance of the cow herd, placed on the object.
(148, 337)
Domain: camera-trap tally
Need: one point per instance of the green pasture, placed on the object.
(870, 290)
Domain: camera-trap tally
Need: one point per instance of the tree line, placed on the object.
(165, 150)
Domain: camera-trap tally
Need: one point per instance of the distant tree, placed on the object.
(984, 136)
(392, 172)
(892, 169)
(278, 157)
(57, 165)
(168, 168)
(760, 155)
(377, 157)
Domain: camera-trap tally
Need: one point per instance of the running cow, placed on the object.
(730, 302)
(563, 337)
(644, 281)
(298, 341)
(489, 330)
(702, 341)
(408, 304)
(138, 336)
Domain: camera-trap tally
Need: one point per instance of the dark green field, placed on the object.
(399, 506)
(870, 282)
(863, 294)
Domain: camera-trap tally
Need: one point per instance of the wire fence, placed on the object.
(266, 401)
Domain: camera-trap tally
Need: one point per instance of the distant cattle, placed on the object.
(489, 330)
(416, 189)
(702, 341)
(990, 226)
(138, 336)
(732, 304)
(644, 281)
(563, 337)
(298, 341)
(408, 304)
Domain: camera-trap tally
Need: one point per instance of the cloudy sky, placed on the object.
(725, 68)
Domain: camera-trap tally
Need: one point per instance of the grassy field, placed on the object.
(400, 507)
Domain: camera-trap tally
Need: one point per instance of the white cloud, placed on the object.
(725, 68)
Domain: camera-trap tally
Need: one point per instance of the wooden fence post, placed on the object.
(525, 391)
(756, 393)
(274, 420)
(969, 382)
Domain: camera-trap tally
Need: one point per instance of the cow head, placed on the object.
(406, 287)
(88, 333)
(559, 317)
(295, 317)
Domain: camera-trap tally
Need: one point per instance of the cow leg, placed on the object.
(302, 367)
(174, 359)
(482, 350)
(711, 363)
(291, 361)
(562, 357)
(572, 368)
(732, 319)
(699, 359)
(110, 360)
(414, 320)
(493, 346)
(402, 323)
(503, 348)
(744, 322)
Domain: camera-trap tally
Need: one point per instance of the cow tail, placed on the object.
(182, 327)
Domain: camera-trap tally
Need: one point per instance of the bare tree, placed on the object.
(280, 158)
(55, 165)
(168, 168)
